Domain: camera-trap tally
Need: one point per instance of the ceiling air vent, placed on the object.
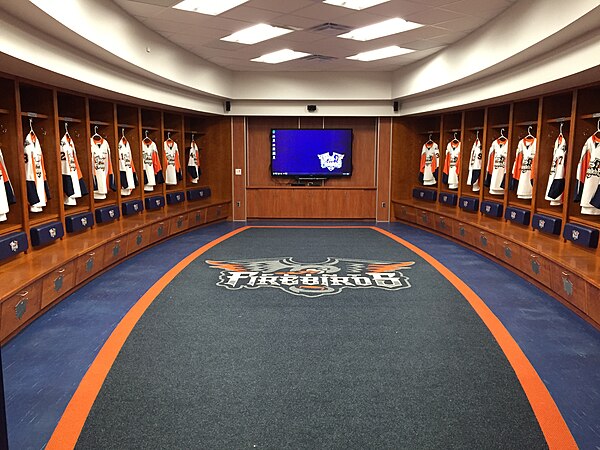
(330, 28)
(318, 58)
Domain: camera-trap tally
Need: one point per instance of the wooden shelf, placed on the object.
(151, 128)
(453, 130)
(4, 111)
(126, 125)
(527, 123)
(34, 115)
(329, 188)
(70, 120)
(559, 120)
(99, 123)
(172, 130)
(429, 132)
(197, 133)
(501, 125)
(591, 116)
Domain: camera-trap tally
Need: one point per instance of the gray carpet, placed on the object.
(215, 368)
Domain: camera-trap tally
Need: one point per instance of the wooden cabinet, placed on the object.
(509, 252)
(88, 265)
(569, 286)
(114, 251)
(465, 233)
(425, 218)
(179, 223)
(197, 217)
(19, 308)
(536, 266)
(217, 212)
(159, 230)
(593, 302)
(406, 213)
(444, 225)
(57, 283)
(138, 239)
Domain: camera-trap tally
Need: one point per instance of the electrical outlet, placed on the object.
(238, 171)
(238, 204)
(383, 204)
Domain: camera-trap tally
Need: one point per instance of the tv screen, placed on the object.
(311, 153)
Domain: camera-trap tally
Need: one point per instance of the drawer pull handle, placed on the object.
(24, 294)
(565, 274)
(532, 256)
(61, 270)
(118, 241)
(91, 253)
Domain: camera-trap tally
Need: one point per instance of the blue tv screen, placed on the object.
(311, 152)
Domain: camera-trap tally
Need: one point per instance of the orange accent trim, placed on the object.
(71, 423)
(552, 424)
(556, 431)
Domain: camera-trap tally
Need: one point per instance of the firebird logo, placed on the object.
(328, 277)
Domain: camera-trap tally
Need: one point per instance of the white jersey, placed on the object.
(475, 166)
(35, 173)
(556, 179)
(7, 194)
(193, 165)
(522, 172)
(103, 173)
(126, 168)
(151, 159)
(430, 161)
(452, 164)
(172, 164)
(496, 168)
(588, 177)
(70, 170)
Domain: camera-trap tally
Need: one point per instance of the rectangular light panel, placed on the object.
(280, 56)
(355, 4)
(209, 7)
(381, 53)
(381, 29)
(257, 33)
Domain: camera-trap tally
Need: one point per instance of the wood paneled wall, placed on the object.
(354, 197)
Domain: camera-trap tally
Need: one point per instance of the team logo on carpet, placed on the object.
(312, 279)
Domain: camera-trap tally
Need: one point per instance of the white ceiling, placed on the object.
(446, 21)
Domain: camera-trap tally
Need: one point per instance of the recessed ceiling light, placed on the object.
(256, 33)
(355, 4)
(210, 7)
(280, 56)
(381, 29)
(381, 53)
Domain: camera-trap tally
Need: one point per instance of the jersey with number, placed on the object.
(452, 165)
(153, 173)
(430, 161)
(171, 162)
(38, 191)
(475, 166)
(556, 179)
(127, 172)
(193, 166)
(7, 194)
(522, 173)
(588, 177)
(103, 172)
(496, 167)
(74, 186)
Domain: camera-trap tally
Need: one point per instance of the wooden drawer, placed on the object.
(57, 283)
(196, 218)
(593, 302)
(536, 266)
(19, 308)
(89, 264)
(465, 233)
(217, 212)
(509, 252)
(487, 242)
(406, 213)
(159, 230)
(425, 218)
(179, 223)
(114, 251)
(138, 239)
(444, 224)
(569, 286)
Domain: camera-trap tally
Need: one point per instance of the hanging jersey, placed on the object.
(496, 167)
(153, 173)
(103, 172)
(556, 180)
(126, 168)
(74, 185)
(522, 173)
(588, 177)
(172, 164)
(430, 161)
(193, 166)
(7, 194)
(475, 166)
(452, 165)
(38, 191)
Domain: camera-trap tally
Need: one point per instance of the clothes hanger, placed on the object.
(31, 127)
(560, 133)
(455, 140)
(502, 137)
(597, 133)
(476, 135)
(67, 129)
(529, 135)
(147, 140)
(429, 142)
(96, 136)
(169, 140)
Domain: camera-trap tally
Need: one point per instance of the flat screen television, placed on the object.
(311, 153)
